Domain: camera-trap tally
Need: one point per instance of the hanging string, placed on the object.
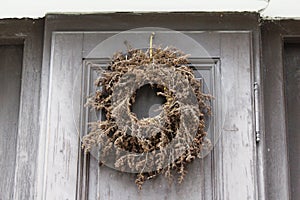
(151, 44)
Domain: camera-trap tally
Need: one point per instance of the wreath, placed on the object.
(163, 144)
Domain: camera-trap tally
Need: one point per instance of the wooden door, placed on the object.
(228, 172)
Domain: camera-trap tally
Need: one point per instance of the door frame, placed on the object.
(275, 33)
(176, 21)
(29, 33)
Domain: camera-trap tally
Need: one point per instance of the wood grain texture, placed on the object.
(62, 134)
(277, 183)
(11, 57)
(28, 134)
(198, 44)
(29, 34)
(234, 166)
(238, 173)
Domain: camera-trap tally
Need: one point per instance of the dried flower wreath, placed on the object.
(163, 144)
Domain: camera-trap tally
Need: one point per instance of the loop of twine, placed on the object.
(151, 44)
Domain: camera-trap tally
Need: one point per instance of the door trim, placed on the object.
(274, 34)
(29, 33)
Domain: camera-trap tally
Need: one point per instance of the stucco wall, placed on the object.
(35, 9)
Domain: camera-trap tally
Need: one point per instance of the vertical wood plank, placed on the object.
(63, 126)
(277, 181)
(29, 34)
(28, 133)
(93, 179)
(11, 57)
(237, 178)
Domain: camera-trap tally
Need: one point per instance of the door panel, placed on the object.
(198, 182)
(62, 145)
(228, 172)
(236, 148)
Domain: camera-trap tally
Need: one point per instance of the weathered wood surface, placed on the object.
(11, 57)
(245, 24)
(237, 172)
(62, 142)
(29, 34)
(230, 168)
(277, 181)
